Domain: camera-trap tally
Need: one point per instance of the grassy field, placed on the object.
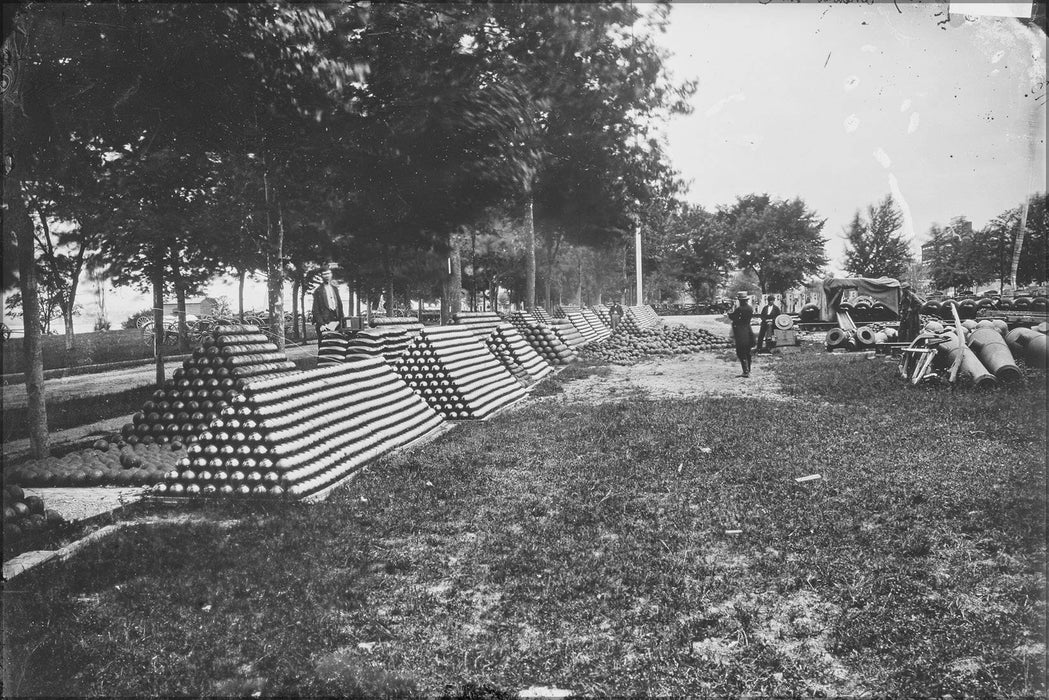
(644, 546)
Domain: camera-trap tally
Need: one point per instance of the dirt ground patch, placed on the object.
(681, 376)
(711, 373)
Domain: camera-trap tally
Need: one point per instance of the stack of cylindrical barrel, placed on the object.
(522, 352)
(455, 373)
(601, 329)
(576, 316)
(547, 343)
(568, 333)
(299, 433)
(482, 323)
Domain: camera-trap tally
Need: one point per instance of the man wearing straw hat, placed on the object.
(742, 333)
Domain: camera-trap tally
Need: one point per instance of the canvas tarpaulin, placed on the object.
(879, 289)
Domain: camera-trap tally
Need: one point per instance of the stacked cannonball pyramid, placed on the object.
(299, 433)
(639, 318)
(522, 352)
(568, 333)
(482, 323)
(600, 328)
(578, 319)
(205, 385)
(547, 344)
(601, 311)
(541, 315)
(500, 348)
(456, 375)
(523, 320)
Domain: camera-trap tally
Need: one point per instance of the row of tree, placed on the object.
(1010, 249)
(186, 140)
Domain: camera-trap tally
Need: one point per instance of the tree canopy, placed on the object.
(780, 240)
(875, 246)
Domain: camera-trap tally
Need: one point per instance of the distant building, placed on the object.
(204, 307)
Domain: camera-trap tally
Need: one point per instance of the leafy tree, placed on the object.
(998, 240)
(597, 81)
(780, 240)
(699, 249)
(875, 246)
(952, 255)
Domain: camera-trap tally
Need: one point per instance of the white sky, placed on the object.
(841, 104)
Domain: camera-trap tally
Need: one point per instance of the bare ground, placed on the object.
(711, 373)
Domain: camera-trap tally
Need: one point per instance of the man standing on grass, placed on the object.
(769, 312)
(327, 306)
(742, 333)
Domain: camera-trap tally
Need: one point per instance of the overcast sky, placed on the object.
(841, 104)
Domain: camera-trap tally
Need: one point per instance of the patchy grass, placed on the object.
(62, 415)
(589, 548)
(554, 384)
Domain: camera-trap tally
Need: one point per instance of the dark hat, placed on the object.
(742, 295)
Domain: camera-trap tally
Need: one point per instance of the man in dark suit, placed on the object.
(769, 312)
(327, 306)
(742, 333)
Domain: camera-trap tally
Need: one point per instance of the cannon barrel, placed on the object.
(991, 348)
(865, 336)
(1030, 345)
(837, 338)
(971, 366)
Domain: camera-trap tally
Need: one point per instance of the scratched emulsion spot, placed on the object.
(852, 122)
(720, 104)
(997, 56)
(913, 125)
(851, 82)
(869, 48)
(897, 194)
(905, 105)
(882, 157)
(751, 141)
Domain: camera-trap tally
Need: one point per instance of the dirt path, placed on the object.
(712, 373)
(111, 382)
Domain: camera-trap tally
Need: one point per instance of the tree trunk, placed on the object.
(295, 307)
(529, 299)
(70, 305)
(451, 293)
(579, 282)
(553, 249)
(36, 407)
(389, 292)
(274, 268)
(241, 276)
(302, 305)
(180, 313)
(157, 278)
